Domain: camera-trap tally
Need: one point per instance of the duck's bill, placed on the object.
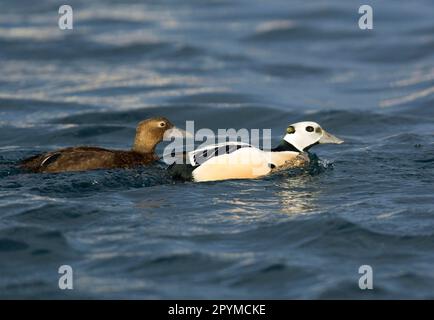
(176, 133)
(329, 138)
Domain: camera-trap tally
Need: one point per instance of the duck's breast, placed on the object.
(283, 158)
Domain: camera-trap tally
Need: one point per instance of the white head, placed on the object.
(303, 135)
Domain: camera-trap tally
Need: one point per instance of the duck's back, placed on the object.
(85, 158)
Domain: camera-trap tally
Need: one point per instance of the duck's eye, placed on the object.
(162, 124)
(309, 129)
(290, 129)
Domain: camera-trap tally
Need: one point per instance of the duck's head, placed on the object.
(304, 135)
(150, 132)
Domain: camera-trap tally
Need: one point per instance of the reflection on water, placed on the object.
(296, 197)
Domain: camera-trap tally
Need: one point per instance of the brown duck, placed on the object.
(148, 134)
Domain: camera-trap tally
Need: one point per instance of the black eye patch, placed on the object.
(290, 129)
(309, 129)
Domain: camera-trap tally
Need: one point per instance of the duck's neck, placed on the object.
(143, 150)
(144, 145)
(285, 146)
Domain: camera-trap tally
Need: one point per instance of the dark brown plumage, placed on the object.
(148, 134)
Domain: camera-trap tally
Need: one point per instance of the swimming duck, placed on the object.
(237, 160)
(148, 134)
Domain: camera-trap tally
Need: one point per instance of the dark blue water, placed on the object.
(224, 64)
